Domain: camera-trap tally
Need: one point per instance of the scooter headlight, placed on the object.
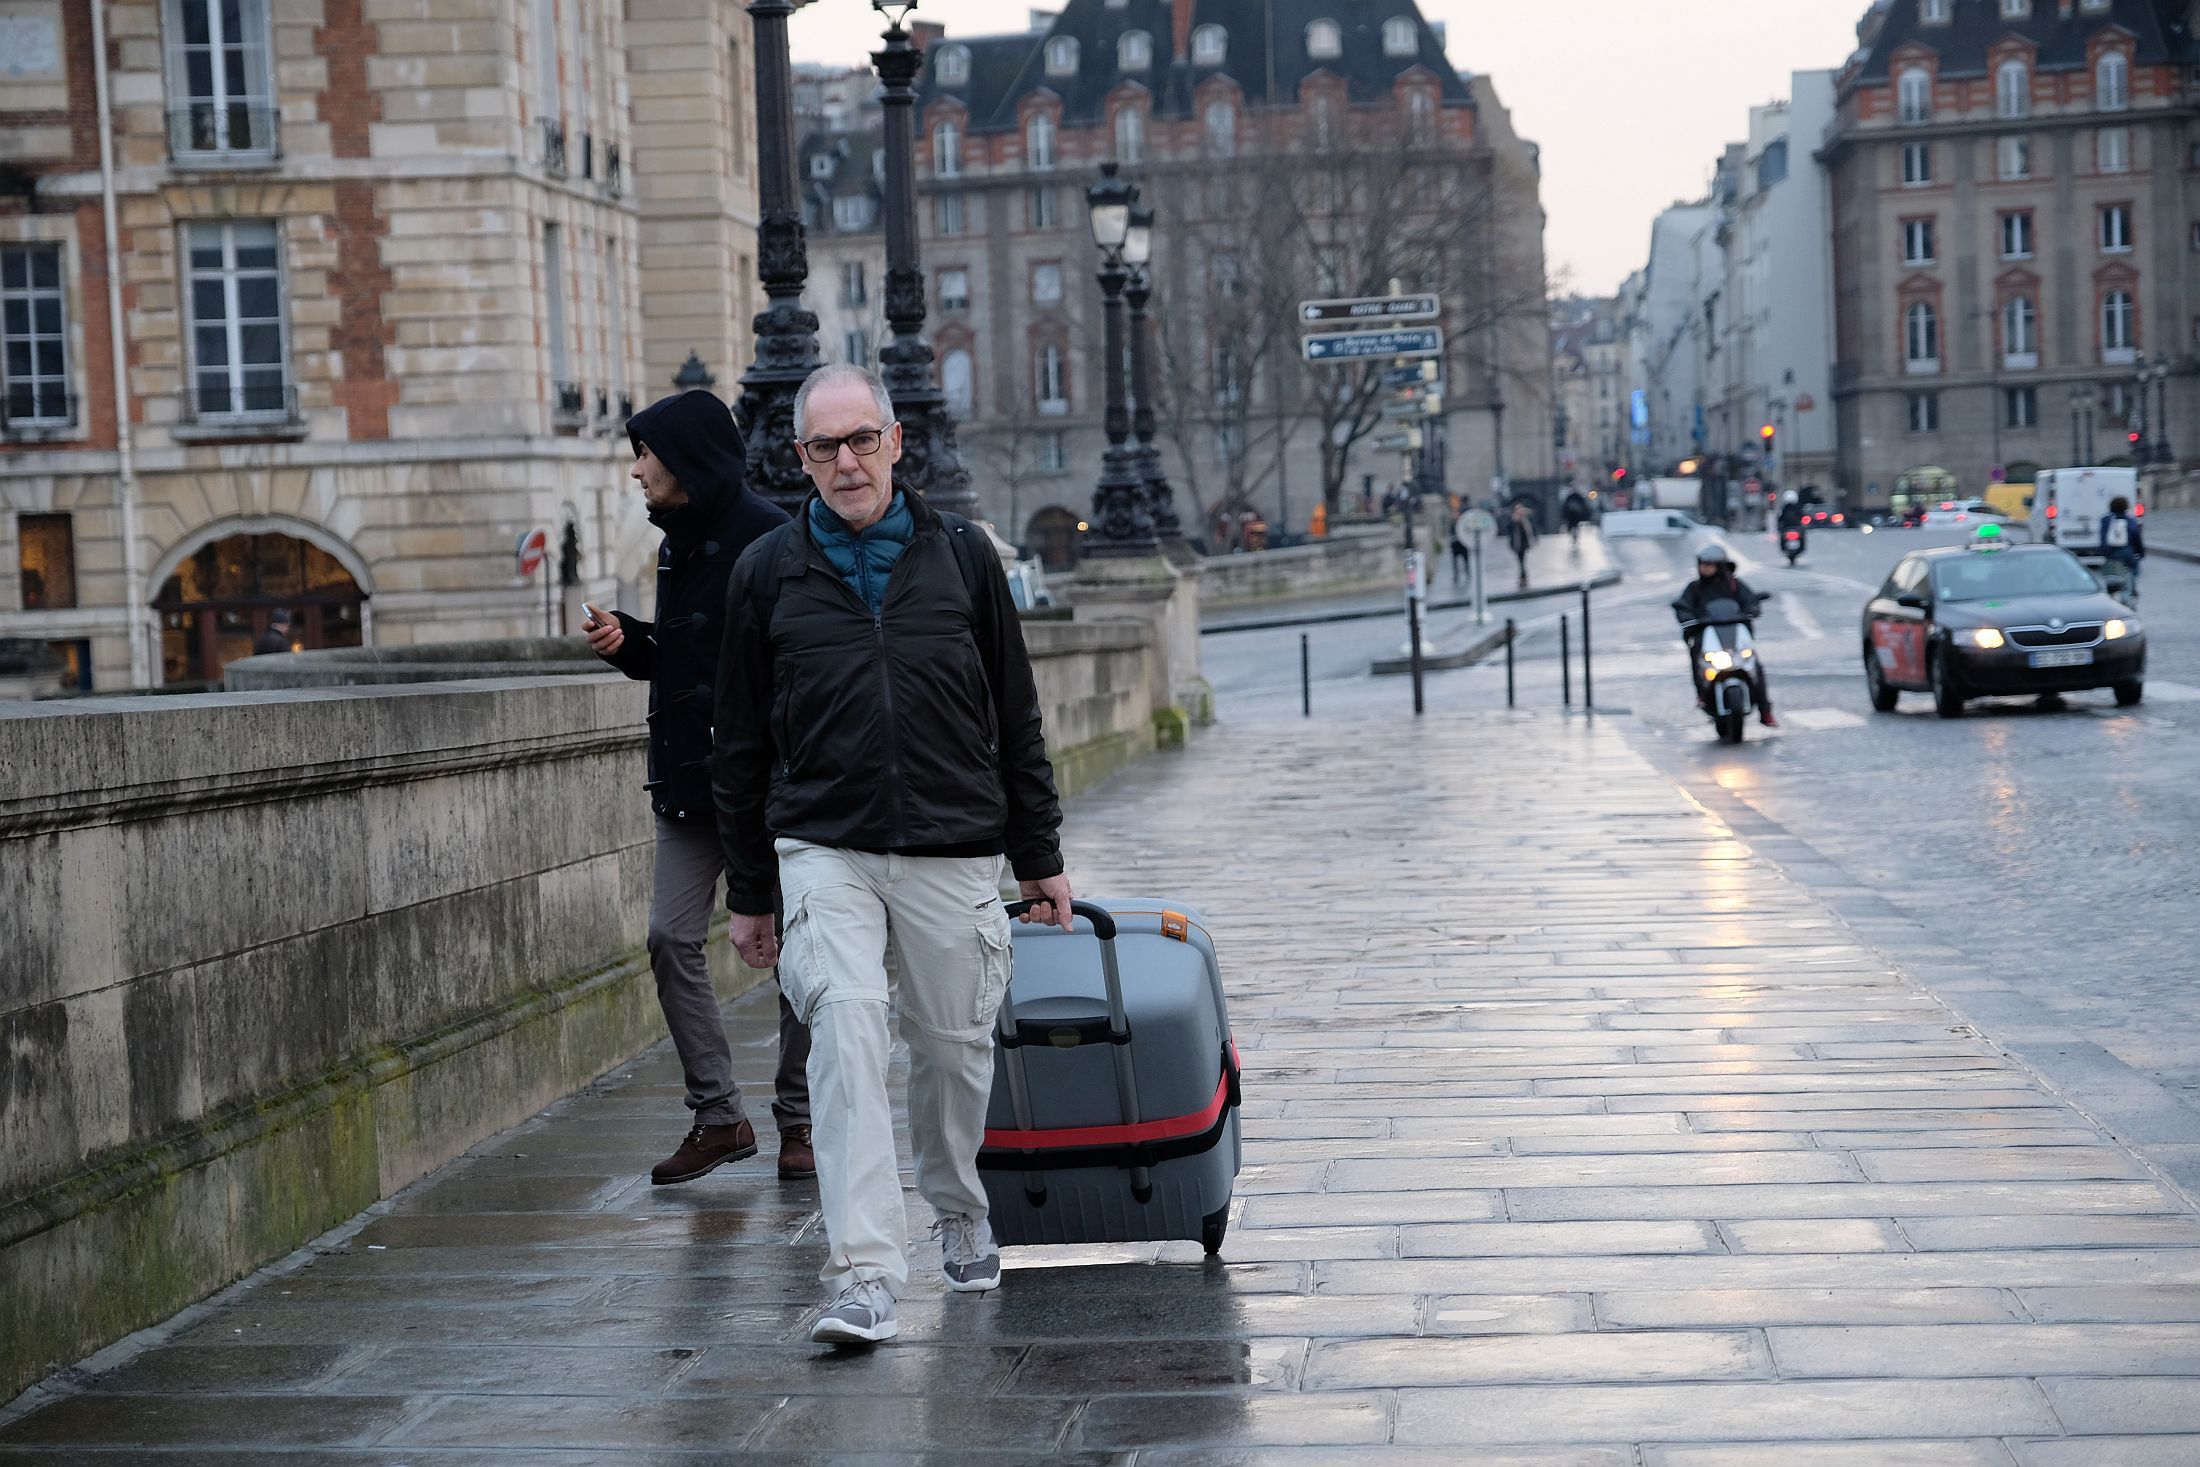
(1720, 659)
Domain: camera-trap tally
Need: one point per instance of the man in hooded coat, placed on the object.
(689, 460)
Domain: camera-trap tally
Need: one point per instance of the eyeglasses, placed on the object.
(862, 443)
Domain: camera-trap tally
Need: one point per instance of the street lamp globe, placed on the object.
(1110, 202)
(1138, 239)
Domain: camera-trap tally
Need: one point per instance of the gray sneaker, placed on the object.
(861, 1314)
(968, 1255)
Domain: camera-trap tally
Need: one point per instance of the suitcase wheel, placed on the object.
(1211, 1229)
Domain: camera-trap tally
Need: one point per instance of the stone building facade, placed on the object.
(379, 271)
(843, 222)
(1229, 114)
(2016, 234)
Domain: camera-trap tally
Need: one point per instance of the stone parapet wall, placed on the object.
(1357, 559)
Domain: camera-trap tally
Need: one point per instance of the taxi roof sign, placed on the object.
(1988, 537)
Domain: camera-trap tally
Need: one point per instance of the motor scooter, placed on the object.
(1791, 543)
(1724, 665)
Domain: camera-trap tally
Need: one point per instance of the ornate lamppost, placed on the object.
(1137, 290)
(786, 333)
(930, 461)
(1122, 519)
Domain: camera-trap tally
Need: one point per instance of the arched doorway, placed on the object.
(221, 601)
(1056, 536)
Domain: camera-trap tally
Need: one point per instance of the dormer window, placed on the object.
(821, 165)
(1933, 12)
(1916, 99)
(1134, 51)
(951, 66)
(2112, 83)
(1401, 37)
(1062, 56)
(1039, 141)
(2016, 9)
(1221, 120)
(1210, 45)
(1324, 41)
(2013, 90)
(946, 150)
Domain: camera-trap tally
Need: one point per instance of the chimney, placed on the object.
(1181, 25)
(925, 32)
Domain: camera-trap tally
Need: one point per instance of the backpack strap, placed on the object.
(968, 544)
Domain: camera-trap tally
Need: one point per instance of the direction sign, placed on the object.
(1373, 308)
(1407, 407)
(1411, 376)
(1406, 441)
(1354, 346)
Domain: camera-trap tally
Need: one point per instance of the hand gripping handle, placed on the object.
(1103, 921)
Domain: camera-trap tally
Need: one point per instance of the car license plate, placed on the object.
(2074, 657)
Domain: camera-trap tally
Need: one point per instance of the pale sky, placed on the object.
(1631, 100)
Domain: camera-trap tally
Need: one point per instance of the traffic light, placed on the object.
(1766, 433)
(2134, 437)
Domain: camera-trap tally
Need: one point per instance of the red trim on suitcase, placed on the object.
(1144, 1131)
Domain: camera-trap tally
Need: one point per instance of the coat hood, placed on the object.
(694, 435)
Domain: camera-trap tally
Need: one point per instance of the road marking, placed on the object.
(2169, 692)
(1799, 617)
(1820, 718)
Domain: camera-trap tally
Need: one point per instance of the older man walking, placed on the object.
(879, 743)
(688, 461)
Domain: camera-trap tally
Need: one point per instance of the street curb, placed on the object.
(2190, 557)
(1597, 582)
(1465, 656)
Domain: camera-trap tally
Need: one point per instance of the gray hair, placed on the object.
(835, 375)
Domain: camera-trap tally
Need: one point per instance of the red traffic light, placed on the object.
(1618, 474)
(2133, 437)
(1765, 432)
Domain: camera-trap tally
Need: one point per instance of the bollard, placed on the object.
(1565, 663)
(1588, 698)
(1306, 680)
(1508, 662)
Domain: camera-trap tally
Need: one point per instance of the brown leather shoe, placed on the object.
(706, 1149)
(796, 1160)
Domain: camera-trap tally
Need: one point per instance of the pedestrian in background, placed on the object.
(688, 458)
(879, 749)
(2123, 543)
(1520, 536)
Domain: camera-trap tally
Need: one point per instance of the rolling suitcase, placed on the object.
(1114, 1115)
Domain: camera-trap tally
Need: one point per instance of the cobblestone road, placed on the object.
(1578, 1133)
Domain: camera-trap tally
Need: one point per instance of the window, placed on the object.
(1053, 453)
(2112, 150)
(1401, 37)
(2021, 407)
(947, 213)
(954, 290)
(822, 164)
(1420, 115)
(1325, 122)
(852, 292)
(1917, 241)
(1046, 284)
(239, 367)
(34, 361)
(1772, 164)
(2117, 323)
(1210, 45)
(1221, 129)
(1052, 391)
(1229, 279)
(951, 65)
(45, 547)
(220, 86)
(1917, 164)
(1062, 56)
(2016, 236)
(1133, 51)
(2020, 334)
(1229, 376)
(1924, 412)
(946, 150)
(957, 381)
(2013, 156)
(1039, 208)
(1921, 337)
(1934, 12)
(2013, 90)
(855, 348)
(2112, 83)
(1916, 95)
(853, 212)
(2016, 9)
(2115, 229)
(1039, 141)
(1130, 136)
(554, 321)
(1324, 41)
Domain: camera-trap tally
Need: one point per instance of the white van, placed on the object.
(2067, 505)
(1619, 524)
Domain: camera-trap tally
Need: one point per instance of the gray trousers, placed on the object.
(689, 863)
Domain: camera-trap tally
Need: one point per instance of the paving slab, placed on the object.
(1623, 1150)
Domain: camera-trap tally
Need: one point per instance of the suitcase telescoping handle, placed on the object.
(1119, 1034)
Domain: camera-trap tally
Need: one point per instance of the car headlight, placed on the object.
(1721, 659)
(1984, 638)
(2120, 627)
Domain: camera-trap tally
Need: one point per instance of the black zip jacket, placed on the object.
(1699, 593)
(693, 434)
(914, 731)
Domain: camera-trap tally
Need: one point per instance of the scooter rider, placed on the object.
(1716, 581)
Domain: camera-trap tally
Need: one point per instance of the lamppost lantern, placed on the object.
(1138, 239)
(895, 11)
(1110, 201)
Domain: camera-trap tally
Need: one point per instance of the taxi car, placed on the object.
(1990, 619)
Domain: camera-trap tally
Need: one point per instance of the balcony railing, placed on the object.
(626, 408)
(226, 404)
(568, 409)
(614, 170)
(553, 147)
(207, 132)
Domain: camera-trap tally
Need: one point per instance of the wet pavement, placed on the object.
(1582, 1128)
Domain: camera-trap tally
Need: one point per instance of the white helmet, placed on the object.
(1713, 551)
(1790, 497)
